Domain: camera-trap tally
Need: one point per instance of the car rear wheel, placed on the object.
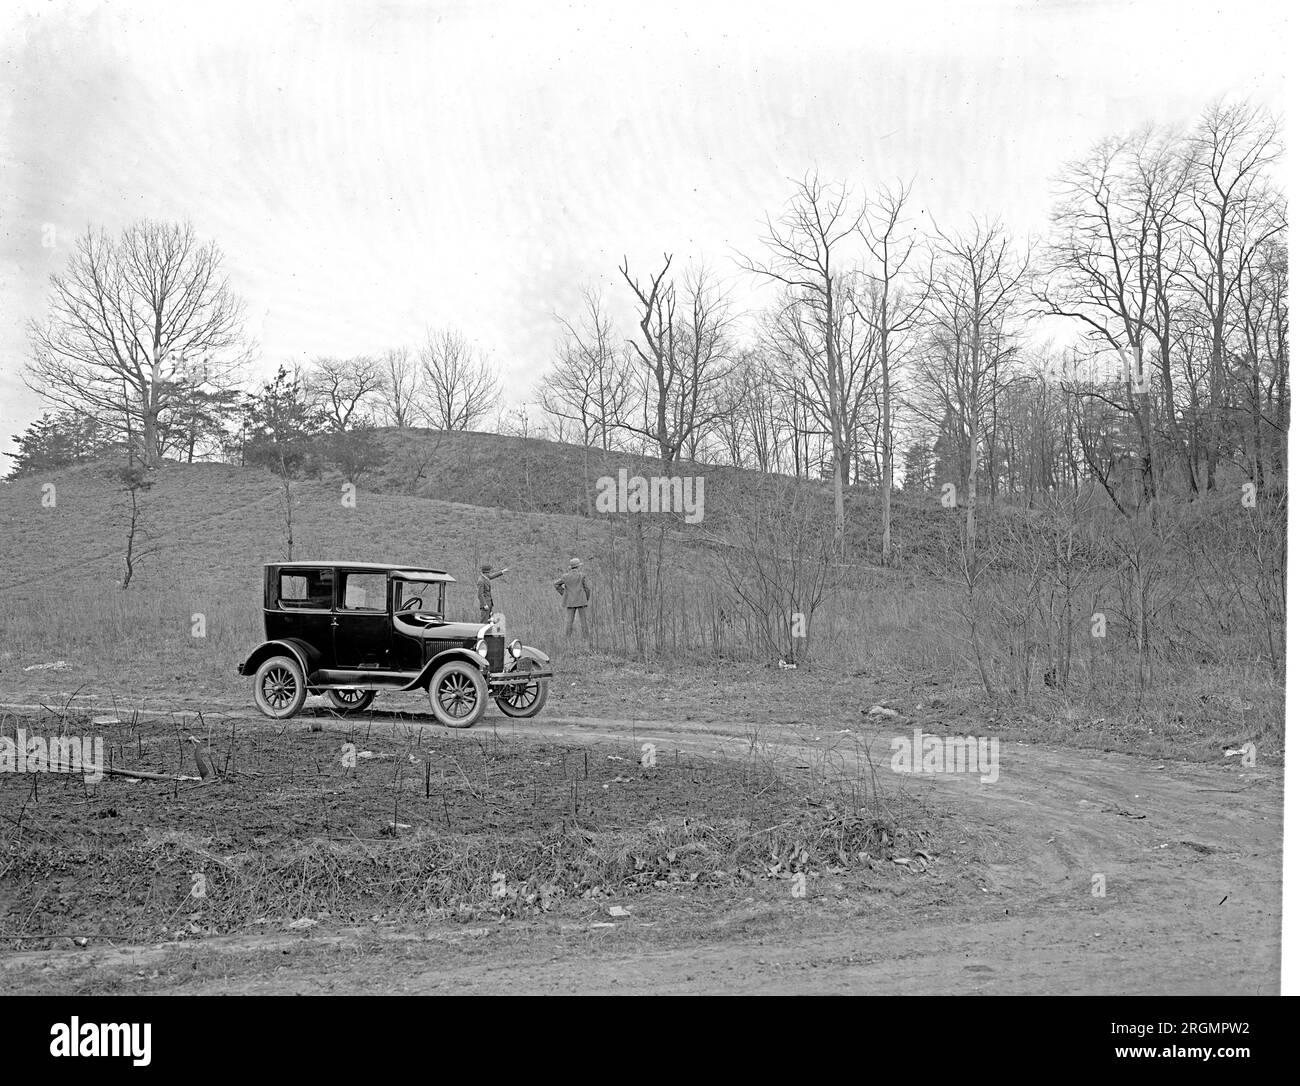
(458, 694)
(525, 697)
(350, 701)
(279, 687)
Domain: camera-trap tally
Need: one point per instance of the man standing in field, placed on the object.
(485, 578)
(576, 590)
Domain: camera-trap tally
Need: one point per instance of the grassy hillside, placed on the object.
(212, 526)
(660, 590)
(533, 475)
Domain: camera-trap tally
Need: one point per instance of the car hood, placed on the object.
(442, 631)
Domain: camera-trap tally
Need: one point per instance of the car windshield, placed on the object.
(422, 596)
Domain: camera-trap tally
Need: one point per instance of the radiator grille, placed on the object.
(496, 652)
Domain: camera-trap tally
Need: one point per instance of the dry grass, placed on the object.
(61, 570)
(216, 524)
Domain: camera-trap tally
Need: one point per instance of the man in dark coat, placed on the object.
(576, 590)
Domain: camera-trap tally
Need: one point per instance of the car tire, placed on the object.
(349, 701)
(527, 698)
(280, 688)
(458, 694)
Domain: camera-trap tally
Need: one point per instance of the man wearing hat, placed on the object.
(576, 590)
(485, 578)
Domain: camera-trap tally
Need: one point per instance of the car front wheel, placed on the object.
(350, 701)
(523, 698)
(458, 694)
(279, 687)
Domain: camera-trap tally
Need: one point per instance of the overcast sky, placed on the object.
(370, 169)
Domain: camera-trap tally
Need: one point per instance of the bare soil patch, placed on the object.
(378, 820)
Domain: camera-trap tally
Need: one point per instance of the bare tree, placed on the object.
(684, 358)
(342, 388)
(1108, 270)
(707, 357)
(139, 540)
(892, 315)
(590, 384)
(749, 420)
(286, 486)
(973, 285)
(760, 410)
(830, 396)
(806, 244)
(1232, 210)
(130, 319)
(400, 388)
(1261, 375)
(790, 401)
(780, 560)
(1157, 243)
(460, 387)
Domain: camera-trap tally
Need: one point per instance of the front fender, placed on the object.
(426, 674)
(536, 655)
(308, 658)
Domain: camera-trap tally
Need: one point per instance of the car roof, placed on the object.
(410, 573)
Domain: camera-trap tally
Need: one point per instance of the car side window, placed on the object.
(365, 592)
(307, 589)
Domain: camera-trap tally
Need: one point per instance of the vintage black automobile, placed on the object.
(351, 629)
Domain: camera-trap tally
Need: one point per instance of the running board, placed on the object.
(362, 679)
(368, 679)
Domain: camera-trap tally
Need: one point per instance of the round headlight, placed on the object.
(516, 648)
(481, 647)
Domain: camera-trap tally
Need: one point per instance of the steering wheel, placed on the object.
(411, 603)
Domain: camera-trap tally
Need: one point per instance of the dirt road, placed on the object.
(1190, 856)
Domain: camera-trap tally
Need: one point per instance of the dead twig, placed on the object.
(139, 774)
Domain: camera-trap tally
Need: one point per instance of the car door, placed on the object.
(409, 597)
(362, 632)
(301, 606)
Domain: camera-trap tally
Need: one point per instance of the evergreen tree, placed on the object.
(282, 424)
(57, 440)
